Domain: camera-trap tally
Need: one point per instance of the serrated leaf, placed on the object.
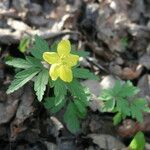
(137, 108)
(123, 106)
(138, 142)
(57, 108)
(71, 119)
(39, 47)
(77, 90)
(106, 94)
(123, 93)
(53, 47)
(19, 63)
(84, 74)
(60, 91)
(24, 73)
(88, 93)
(124, 89)
(128, 89)
(22, 78)
(80, 53)
(140, 103)
(109, 105)
(117, 88)
(50, 104)
(81, 107)
(40, 83)
(136, 113)
(117, 118)
(34, 61)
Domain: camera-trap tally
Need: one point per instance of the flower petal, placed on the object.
(72, 60)
(51, 57)
(54, 71)
(64, 47)
(65, 73)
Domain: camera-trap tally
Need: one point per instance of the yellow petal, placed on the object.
(51, 57)
(65, 73)
(54, 71)
(64, 47)
(72, 60)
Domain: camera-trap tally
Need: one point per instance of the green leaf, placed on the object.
(81, 53)
(34, 62)
(125, 102)
(77, 90)
(140, 103)
(124, 89)
(123, 106)
(22, 78)
(128, 89)
(53, 47)
(136, 113)
(50, 104)
(71, 119)
(24, 43)
(117, 118)
(117, 88)
(109, 105)
(84, 74)
(40, 83)
(138, 142)
(81, 107)
(88, 93)
(124, 42)
(137, 108)
(106, 94)
(60, 91)
(19, 63)
(39, 47)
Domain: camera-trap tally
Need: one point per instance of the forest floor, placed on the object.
(116, 33)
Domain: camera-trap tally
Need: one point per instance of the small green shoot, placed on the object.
(124, 42)
(138, 142)
(122, 99)
(24, 44)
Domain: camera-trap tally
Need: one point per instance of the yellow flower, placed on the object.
(61, 62)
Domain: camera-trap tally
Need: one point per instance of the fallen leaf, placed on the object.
(145, 61)
(130, 74)
(104, 140)
(24, 111)
(8, 105)
(144, 85)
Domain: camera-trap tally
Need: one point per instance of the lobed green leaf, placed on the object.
(50, 104)
(22, 78)
(71, 119)
(39, 47)
(60, 91)
(40, 83)
(81, 108)
(19, 63)
(84, 74)
(77, 90)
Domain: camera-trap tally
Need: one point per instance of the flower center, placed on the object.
(63, 60)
